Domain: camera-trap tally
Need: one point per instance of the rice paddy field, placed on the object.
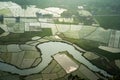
(86, 31)
(100, 35)
(72, 34)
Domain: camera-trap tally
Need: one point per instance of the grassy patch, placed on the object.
(20, 38)
(5, 12)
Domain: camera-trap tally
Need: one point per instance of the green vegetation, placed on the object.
(86, 20)
(115, 77)
(109, 22)
(69, 13)
(5, 12)
(103, 7)
(20, 38)
(68, 23)
(104, 64)
(93, 47)
(1, 31)
(6, 57)
(31, 55)
(99, 34)
(87, 31)
(47, 3)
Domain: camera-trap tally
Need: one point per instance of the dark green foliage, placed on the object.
(74, 77)
(20, 38)
(1, 19)
(68, 14)
(109, 22)
(115, 77)
(10, 77)
(1, 31)
(93, 47)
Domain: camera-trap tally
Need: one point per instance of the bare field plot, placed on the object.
(66, 63)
